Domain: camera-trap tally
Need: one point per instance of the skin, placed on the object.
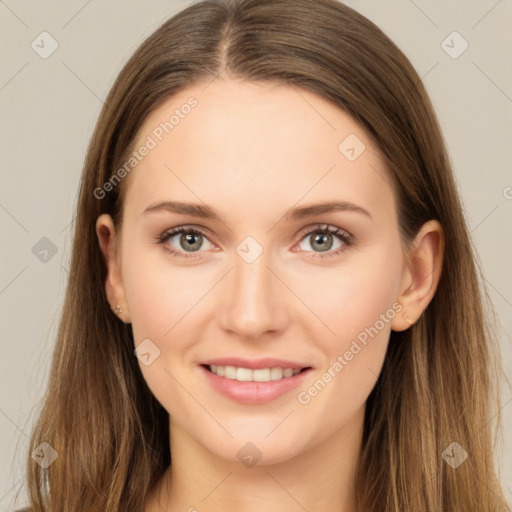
(253, 152)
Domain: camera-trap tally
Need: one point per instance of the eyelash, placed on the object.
(346, 238)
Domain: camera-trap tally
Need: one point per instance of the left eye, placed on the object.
(323, 240)
(322, 237)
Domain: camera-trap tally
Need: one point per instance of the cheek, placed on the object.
(357, 304)
(353, 297)
(161, 301)
(159, 293)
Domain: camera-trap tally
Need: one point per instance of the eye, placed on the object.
(323, 237)
(188, 240)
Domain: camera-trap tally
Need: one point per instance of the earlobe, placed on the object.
(114, 287)
(421, 275)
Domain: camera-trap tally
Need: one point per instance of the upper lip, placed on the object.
(255, 364)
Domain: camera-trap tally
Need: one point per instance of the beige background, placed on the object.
(48, 108)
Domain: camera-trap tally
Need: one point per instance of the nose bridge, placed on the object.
(252, 303)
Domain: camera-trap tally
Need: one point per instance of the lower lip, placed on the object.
(254, 393)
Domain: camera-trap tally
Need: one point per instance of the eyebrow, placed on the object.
(207, 212)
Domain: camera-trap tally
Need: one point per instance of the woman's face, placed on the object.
(256, 278)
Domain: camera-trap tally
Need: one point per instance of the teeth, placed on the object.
(288, 372)
(248, 375)
(276, 373)
(230, 372)
(243, 374)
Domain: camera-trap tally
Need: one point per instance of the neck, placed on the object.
(320, 479)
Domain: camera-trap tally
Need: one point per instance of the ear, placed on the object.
(421, 274)
(114, 286)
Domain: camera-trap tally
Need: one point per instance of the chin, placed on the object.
(250, 450)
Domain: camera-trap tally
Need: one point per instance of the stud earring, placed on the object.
(117, 310)
(407, 319)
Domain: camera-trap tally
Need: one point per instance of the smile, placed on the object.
(253, 386)
(249, 375)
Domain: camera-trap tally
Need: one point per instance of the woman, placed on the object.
(210, 356)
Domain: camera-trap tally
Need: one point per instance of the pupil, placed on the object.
(321, 236)
(189, 239)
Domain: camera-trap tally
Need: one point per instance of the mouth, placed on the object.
(242, 374)
(254, 386)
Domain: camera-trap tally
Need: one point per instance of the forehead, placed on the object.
(254, 145)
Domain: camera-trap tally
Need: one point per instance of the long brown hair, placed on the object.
(436, 386)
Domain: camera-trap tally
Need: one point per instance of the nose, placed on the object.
(253, 300)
